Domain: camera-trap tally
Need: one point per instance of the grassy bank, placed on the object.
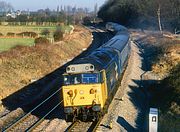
(8, 43)
(166, 97)
(164, 57)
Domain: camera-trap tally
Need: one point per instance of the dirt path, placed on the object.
(127, 114)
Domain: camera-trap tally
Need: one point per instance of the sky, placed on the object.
(52, 4)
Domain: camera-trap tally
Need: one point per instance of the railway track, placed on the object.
(28, 122)
(79, 126)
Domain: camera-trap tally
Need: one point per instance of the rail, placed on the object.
(90, 126)
(21, 119)
(42, 119)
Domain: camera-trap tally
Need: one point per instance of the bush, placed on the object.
(1, 35)
(58, 35)
(9, 34)
(45, 32)
(87, 20)
(27, 34)
(19, 34)
(41, 40)
(33, 34)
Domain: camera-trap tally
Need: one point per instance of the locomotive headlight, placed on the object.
(81, 92)
(70, 93)
(65, 79)
(92, 91)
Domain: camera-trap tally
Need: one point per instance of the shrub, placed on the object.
(10, 34)
(41, 40)
(19, 34)
(1, 35)
(45, 32)
(27, 34)
(87, 20)
(33, 34)
(58, 35)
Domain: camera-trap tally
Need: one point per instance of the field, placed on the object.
(37, 29)
(8, 43)
(18, 29)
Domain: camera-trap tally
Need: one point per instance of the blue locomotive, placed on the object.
(90, 83)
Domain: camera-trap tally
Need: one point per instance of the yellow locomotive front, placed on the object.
(84, 91)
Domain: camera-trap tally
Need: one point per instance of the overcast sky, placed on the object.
(52, 4)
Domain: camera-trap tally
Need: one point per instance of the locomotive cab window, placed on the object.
(72, 79)
(90, 78)
(85, 78)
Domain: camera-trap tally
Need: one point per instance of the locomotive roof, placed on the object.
(102, 57)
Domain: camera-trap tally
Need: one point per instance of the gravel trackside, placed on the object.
(128, 113)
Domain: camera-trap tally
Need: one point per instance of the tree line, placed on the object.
(67, 15)
(142, 13)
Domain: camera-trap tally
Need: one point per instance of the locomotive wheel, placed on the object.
(98, 116)
(84, 117)
(105, 110)
(69, 118)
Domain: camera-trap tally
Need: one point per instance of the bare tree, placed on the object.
(5, 7)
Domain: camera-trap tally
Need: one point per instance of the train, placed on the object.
(114, 27)
(91, 82)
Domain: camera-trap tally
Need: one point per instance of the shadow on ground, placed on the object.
(139, 95)
(125, 124)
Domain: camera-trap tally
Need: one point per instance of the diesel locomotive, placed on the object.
(90, 83)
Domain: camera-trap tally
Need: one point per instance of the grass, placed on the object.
(8, 43)
(18, 29)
